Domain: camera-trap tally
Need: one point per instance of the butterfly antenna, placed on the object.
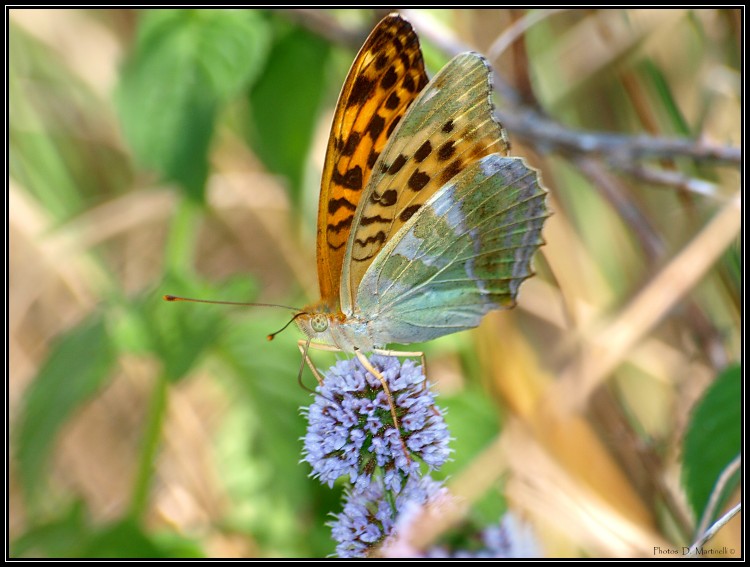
(273, 335)
(240, 303)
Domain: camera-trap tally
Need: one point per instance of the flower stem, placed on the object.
(149, 448)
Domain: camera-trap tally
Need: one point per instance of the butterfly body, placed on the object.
(346, 332)
(425, 223)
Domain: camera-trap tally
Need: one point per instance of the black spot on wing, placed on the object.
(451, 171)
(374, 219)
(446, 151)
(343, 224)
(408, 212)
(409, 84)
(378, 237)
(351, 144)
(387, 199)
(423, 152)
(404, 60)
(352, 179)
(372, 158)
(335, 204)
(381, 61)
(362, 90)
(418, 180)
(397, 164)
(375, 127)
(392, 101)
(389, 79)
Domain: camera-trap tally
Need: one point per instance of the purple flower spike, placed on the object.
(351, 430)
(369, 516)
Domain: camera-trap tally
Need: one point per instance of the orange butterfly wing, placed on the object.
(385, 78)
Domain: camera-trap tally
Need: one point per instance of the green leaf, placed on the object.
(181, 333)
(713, 439)
(123, 539)
(77, 367)
(259, 444)
(186, 63)
(176, 545)
(61, 537)
(57, 150)
(72, 534)
(285, 102)
(656, 80)
(472, 420)
(474, 424)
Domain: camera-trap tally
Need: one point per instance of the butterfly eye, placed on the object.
(319, 323)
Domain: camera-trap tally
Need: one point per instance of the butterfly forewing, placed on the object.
(449, 126)
(464, 253)
(424, 224)
(386, 76)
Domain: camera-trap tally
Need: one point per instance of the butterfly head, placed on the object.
(323, 325)
(316, 323)
(313, 324)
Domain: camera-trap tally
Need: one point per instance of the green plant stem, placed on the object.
(183, 231)
(150, 446)
(178, 258)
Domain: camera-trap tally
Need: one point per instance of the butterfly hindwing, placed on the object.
(424, 223)
(449, 126)
(464, 253)
(386, 76)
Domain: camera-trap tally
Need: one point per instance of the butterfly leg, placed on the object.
(405, 354)
(372, 370)
(304, 347)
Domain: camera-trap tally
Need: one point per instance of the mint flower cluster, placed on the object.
(351, 430)
(351, 434)
(370, 517)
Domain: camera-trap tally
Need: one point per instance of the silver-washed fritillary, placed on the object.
(424, 222)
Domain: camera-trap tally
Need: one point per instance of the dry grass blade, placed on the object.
(607, 344)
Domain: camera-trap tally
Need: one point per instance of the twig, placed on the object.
(646, 309)
(711, 532)
(436, 33)
(325, 25)
(611, 187)
(673, 179)
(517, 29)
(531, 125)
(716, 493)
(547, 135)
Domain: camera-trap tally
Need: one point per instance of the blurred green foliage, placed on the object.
(186, 76)
(712, 441)
(77, 367)
(201, 58)
(296, 66)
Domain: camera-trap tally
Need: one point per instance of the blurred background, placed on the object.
(180, 152)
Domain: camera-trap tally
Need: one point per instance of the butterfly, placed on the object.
(425, 223)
